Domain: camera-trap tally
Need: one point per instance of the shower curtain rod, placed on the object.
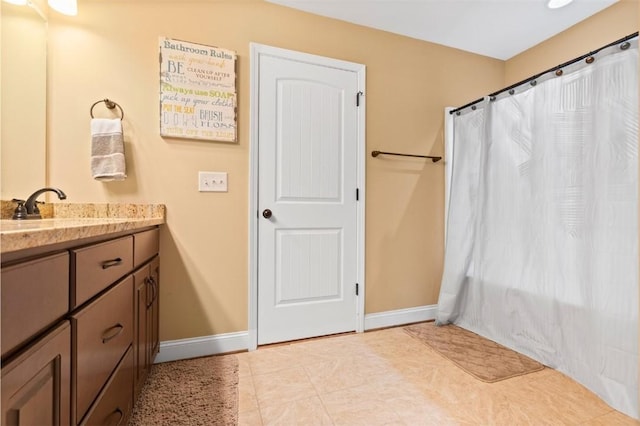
(557, 67)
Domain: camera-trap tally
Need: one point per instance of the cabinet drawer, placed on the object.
(114, 404)
(35, 294)
(97, 266)
(145, 245)
(102, 332)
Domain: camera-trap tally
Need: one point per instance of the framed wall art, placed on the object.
(198, 98)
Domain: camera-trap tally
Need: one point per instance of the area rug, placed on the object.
(200, 391)
(482, 358)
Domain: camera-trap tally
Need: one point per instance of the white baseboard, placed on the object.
(399, 317)
(173, 350)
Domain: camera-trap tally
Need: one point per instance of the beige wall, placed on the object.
(613, 23)
(110, 50)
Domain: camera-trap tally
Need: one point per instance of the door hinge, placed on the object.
(357, 194)
(358, 98)
(357, 289)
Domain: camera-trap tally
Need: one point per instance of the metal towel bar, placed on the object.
(434, 159)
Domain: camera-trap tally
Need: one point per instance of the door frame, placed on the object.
(258, 50)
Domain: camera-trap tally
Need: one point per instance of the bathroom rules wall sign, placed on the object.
(198, 96)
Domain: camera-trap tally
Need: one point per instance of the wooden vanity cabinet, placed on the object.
(81, 330)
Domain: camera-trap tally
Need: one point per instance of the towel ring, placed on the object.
(109, 104)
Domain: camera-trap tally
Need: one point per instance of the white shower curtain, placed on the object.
(542, 231)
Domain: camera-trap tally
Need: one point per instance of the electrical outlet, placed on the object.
(212, 181)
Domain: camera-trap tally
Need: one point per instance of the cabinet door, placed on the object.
(140, 339)
(154, 310)
(36, 384)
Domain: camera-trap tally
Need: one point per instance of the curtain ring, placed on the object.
(492, 98)
(590, 60)
(473, 108)
(457, 112)
(511, 92)
(559, 73)
(533, 82)
(625, 45)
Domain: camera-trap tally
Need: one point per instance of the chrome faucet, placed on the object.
(29, 209)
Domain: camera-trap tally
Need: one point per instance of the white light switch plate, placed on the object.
(212, 181)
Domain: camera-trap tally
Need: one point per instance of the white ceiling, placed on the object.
(496, 28)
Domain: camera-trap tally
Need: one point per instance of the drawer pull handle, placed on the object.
(120, 414)
(147, 281)
(117, 329)
(113, 262)
(154, 290)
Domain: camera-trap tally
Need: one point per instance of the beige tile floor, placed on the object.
(386, 377)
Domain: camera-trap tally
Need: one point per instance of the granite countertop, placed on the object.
(77, 221)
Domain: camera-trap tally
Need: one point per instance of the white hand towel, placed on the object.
(107, 149)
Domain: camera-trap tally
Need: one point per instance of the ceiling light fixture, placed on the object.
(557, 4)
(66, 7)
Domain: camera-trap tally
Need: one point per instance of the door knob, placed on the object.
(266, 213)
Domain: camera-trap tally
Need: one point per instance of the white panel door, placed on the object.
(307, 227)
